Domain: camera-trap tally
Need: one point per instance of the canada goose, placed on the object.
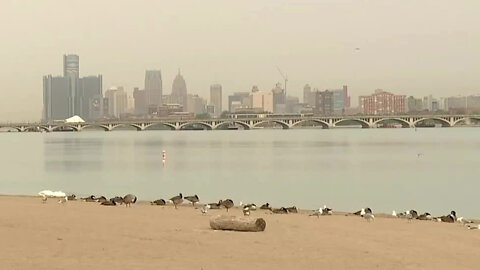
(129, 199)
(281, 210)
(72, 197)
(91, 198)
(326, 210)
(252, 207)
(215, 205)
(425, 216)
(205, 208)
(449, 218)
(176, 200)
(292, 209)
(111, 202)
(266, 207)
(117, 199)
(193, 199)
(227, 203)
(246, 211)
(101, 199)
(158, 202)
(363, 211)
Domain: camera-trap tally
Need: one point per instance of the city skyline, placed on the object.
(398, 49)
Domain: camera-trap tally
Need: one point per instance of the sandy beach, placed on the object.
(82, 235)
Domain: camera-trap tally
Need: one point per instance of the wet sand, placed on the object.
(82, 235)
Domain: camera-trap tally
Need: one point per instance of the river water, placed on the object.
(429, 169)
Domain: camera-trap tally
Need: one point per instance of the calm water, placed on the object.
(344, 168)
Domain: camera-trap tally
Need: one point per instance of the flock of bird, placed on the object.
(365, 213)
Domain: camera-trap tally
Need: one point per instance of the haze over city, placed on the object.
(408, 47)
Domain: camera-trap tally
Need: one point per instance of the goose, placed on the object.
(205, 208)
(72, 197)
(363, 211)
(101, 199)
(252, 207)
(227, 203)
(215, 205)
(129, 199)
(281, 210)
(193, 199)
(326, 210)
(44, 199)
(425, 216)
(158, 202)
(266, 207)
(292, 209)
(176, 200)
(473, 226)
(449, 218)
(91, 198)
(246, 211)
(111, 202)
(117, 199)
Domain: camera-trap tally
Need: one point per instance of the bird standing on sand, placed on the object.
(227, 203)
(193, 199)
(317, 213)
(129, 199)
(44, 199)
(363, 211)
(266, 207)
(177, 200)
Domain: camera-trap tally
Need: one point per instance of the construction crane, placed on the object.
(285, 78)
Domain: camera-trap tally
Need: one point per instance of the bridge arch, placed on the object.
(465, 118)
(185, 125)
(244, 125)
(148, 127)
(137, 127)
(10, 128)
(104, 127)
(323, 123)
(432, 118)
(283, 124)
(56, 128)
(364, 123)
(404, 123)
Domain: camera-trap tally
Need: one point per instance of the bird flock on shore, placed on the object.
(365, 213)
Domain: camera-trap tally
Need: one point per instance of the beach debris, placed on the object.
(227, 203)
(176, 200)
(193, 199)
(205, 208)
(129, 199)
(158, 202)
(243, 224)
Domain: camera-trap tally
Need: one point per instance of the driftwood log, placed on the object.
(242, 224)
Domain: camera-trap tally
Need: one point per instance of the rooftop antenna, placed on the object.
(285, 78)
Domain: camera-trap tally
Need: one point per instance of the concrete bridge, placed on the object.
(405, 121)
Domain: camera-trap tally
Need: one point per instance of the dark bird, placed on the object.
(193, 199)
(281, 210)
(101, 199)
(227, 203)
(292, 209)
(129, 199)
(90, 198)
(266, 207)
(251, 206)
(117, 199)
(449, 218)
(177, 200)
(425, 216)
(246, 211)
(158, 202)
(111, 202)
(72, 197)
(215, 205)
(363, 211)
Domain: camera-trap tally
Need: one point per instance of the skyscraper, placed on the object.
(153, 87)
(140, 101)
(88, 99)
(179, 91)
(56, 98)
(324, 103)
(279, 99)
(216, 98)
(71, 70)
(382, 103)
(117, 101)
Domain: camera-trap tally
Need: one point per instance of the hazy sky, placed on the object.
(406, 46)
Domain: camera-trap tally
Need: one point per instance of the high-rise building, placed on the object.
(196, 104)
(71, 70)
(308, 96)
(414, 104)
(153, 87)
(56, 98)
(237, 100)
(117, 101)
(179, 91)
(140, 101)
(341, 100)
(260, 101)
(279, 99)
(324, 103)
(216, 98)
(382, 103)
(88, 99)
